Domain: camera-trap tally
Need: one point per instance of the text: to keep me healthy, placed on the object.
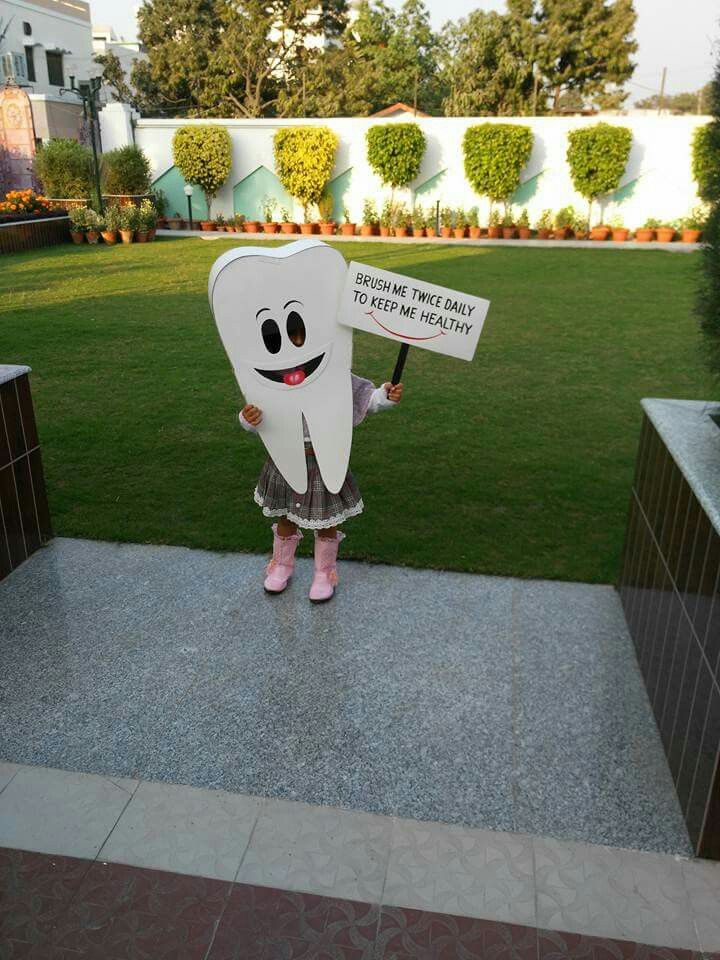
(420, 296)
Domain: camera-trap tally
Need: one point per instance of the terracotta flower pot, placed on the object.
(459, 233)
(208, 225)
(252, 226)
(561, 234)
(127, 236)
(401, 231)
(644, 234)
(384, 231)
(446, 232)
(543, 234)
(430, 231)
(327, 229)
(689, 236)
(176, 223)
(92, 236)
(110, 237)
(141, 236)
(475, 233)
(600, 233)
(495, 233)
(418, 231)
(270, 227)
(77, 236)
(525, 233)
(306, 228)
(509, 233)
(581, 234)
(620, 234)
(347, 230)
(288, 228)
(367, 230)
(229, 229)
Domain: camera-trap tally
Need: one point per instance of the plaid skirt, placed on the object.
(313, 510)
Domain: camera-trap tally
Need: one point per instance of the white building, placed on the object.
(105, 40)
(43, 43)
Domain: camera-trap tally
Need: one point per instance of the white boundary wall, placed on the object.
(659, 170)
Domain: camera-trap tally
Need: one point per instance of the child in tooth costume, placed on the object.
(317, 509)
(276, 310)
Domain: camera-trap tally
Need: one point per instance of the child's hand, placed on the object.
(252, 414)
(394, 391)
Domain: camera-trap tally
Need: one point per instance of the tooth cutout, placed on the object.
(247, 287)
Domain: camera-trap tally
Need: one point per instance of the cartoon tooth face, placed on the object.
(276, 313)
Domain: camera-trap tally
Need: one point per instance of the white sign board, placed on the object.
(412, 311)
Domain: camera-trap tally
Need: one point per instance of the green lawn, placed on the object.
(518, 463)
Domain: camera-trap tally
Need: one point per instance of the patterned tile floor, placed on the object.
(122, 870)
(480, 701)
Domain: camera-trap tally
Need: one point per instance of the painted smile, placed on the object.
(293, 376)
(400, 336)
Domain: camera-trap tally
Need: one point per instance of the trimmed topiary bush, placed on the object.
(597, 157)
(395, 152)
(126, 171)
(709, 182)
(705, 167)
(65, 169)
(203, 155)
(495, 154)
(304, 158)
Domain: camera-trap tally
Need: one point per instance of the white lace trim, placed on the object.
(310, 524)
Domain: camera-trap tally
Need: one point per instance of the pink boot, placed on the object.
(281, 567)
(326, 578)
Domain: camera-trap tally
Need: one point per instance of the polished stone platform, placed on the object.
(489, 702)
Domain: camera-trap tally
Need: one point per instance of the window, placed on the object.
(55, 67)
(27, 29)
(30, 61)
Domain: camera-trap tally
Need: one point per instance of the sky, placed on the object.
(678, 34)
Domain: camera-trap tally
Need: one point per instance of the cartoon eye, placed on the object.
(271, 335)
(296, 328)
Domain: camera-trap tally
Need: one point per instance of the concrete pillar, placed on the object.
(116, 125)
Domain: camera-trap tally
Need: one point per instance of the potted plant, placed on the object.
(646, 233)
(219, 221)
(620, 232)
(128, 223)
(692, 226)
(581, 227)
(111, 225)
(239, 222)
(252, 226)
(147, 220)
(159, 201)
(400, 220)
(370, 219)
(347, 227)
(65, 168)
(460, 224)
(176, 222)
(93, 226)
(286, 225)
(431, 222)
(230, 225)
(386, 218)
(564, 220)
(523, 225)
(417, 221)
(325, 209)
(304, 158)
(495, 225)
(473, 219)
(665, 233)
(544, 224)
(600, 232)
(78, 224)
(509, 230)
(447, 221)
(208, 225)
(495, 155)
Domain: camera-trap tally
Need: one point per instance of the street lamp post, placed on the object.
(188, 191)
(88, 93)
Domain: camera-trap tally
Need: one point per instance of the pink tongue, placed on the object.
(294, 377)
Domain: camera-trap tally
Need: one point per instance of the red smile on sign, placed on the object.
(401, 336)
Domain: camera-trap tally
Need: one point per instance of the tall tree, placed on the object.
(698, 102)
(582, 46)
(488, 67)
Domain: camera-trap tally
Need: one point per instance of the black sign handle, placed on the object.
(400, 364)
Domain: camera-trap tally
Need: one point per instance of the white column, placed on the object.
(116, 125)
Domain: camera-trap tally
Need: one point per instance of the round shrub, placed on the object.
(495, 154)
(203, 155)
(126, 171)
(304, 158)
(705, 166)
(395, 152)
(65, 169)
(597, 157)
